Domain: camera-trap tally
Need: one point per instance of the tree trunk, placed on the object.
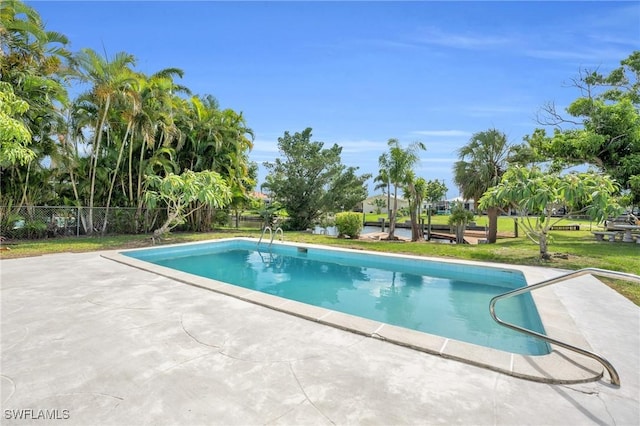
(169, 224)
(414, 207)
(460, 228)
(96, 151)
(414, 224)
(389, 201)
(113, 180)
(394, 213)
(131, 170)
(492, 212)
(544, 254)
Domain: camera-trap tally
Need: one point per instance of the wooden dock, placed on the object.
(470, 237)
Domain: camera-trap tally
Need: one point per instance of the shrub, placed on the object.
(32, 229)
(459, 218)
(349, 224)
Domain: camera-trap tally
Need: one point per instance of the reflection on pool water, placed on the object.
(449, 300)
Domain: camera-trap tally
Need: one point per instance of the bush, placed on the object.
(32, 229)
(459, 218)
(349, 224)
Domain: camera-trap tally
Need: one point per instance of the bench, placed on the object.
(565, 228)
(601, 234)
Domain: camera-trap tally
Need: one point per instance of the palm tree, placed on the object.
(482, 163)
(155, 132)
(31, 61)
(25, 41)
(217, 140)
(109, 79)
(127, 113)
(384, 183)
(399, 163)
(415, 191)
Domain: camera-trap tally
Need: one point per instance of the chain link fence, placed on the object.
(33, 222)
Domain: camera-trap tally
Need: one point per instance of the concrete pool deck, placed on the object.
(99, 342)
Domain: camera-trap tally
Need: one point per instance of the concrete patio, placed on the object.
(103, 343)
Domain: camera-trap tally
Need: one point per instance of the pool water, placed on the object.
(449, 300)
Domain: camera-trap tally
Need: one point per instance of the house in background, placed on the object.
(379, 203)
(260, 196)
(467, 204)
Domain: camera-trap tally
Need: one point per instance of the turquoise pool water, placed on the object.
(449, 300)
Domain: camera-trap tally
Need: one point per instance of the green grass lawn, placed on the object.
(579, 247)
(505, 223)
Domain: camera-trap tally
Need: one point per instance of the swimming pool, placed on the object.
(439, 298)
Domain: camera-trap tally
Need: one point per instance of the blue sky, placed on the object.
(359, 73)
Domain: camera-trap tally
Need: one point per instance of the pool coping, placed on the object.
(560, 366)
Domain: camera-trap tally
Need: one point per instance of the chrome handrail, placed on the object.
(272, 234)
(276, 233)
(613, 374)
(265, 229)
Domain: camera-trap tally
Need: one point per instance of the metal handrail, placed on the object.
(276, 233)
(272, 234)
(266, 228)
(613, 374)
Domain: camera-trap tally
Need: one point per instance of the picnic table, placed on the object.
(628, 237)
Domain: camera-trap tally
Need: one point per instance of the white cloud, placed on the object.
(438, 160)
(442, 133)
(361, 146)
(493, 110)
(467, 40)
(590, 55)
(265, 146)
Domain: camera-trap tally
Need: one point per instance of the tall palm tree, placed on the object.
(109, 79)
(125, 117)
(217, 140)
(482, 163)
(25, 40)
(399, 163)
(155, 128)
(31, 61)
(384, 183)
(415, 190)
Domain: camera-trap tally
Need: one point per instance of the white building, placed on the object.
(467, 204)
(378, 203)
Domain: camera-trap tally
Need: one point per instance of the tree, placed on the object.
(397, 164)
(482, 163)
(382, 182)
(97, 150)
(380, 204)
(109, 79)
(180, 192)
(459, 218)
(14, 135)
(537, 196)
(32, 61)
(434, 191)
(309, 180)
(415, 191)
(602, 127)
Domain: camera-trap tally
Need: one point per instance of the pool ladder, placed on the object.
(272, 234)
(613, 374)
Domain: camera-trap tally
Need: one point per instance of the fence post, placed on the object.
(515, 226)
(78, 221)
